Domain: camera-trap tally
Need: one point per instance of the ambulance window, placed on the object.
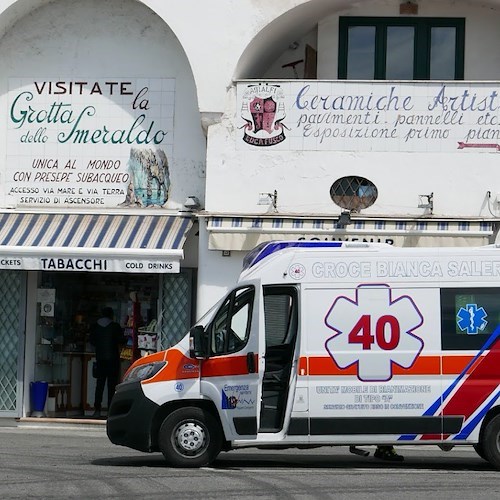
(230, 328)
(468, 317)
(280, 314)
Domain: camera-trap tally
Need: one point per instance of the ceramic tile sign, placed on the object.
(89, 143)
(461, 117)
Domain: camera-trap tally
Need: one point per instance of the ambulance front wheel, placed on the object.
(190, 437)
(491, 442)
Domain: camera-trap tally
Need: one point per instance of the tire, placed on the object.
(190, 437)
(491, 442)
(479, 450)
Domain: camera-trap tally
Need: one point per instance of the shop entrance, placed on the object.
(67, 305)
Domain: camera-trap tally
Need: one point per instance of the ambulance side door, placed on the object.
(231, 376)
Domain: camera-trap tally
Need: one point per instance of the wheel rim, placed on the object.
(190, 438)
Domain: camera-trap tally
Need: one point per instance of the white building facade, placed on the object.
(150, 144)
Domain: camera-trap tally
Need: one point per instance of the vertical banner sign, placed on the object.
(89, 143)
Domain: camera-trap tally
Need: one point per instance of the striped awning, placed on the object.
(111, 242)
(234, 232)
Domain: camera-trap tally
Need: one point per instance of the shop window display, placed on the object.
(68, 304)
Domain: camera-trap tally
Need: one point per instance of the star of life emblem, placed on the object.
(471, 319)
(374, 331)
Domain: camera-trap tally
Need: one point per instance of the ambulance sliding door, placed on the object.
(281, 325)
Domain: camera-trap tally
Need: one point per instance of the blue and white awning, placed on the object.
(86, 242)
(238, 232)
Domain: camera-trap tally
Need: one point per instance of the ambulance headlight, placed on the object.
(143, 372)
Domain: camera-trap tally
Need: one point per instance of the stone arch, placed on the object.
(70, 40)
(276, 37)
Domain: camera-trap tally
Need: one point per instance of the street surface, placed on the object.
(78, 463)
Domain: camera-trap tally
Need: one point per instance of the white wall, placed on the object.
(227, 28)
(215, 33)
(216, 274)
(191, 248)
(303, 179)
(460, 182)
(296, 51)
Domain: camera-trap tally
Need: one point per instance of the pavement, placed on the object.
(55, 423)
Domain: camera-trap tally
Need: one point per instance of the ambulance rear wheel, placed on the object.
(491, 442)
(479, 450)
(190, 437)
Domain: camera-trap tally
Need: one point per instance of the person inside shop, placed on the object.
(106, 335)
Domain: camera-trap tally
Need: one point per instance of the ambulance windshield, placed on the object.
(207, 317)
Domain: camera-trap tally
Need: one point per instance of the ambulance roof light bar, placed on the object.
(264, 250)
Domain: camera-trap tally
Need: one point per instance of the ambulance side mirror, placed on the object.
(198, 343)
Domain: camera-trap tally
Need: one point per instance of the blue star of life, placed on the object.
(471, 319)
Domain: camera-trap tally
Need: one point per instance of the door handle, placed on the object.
(251, 362)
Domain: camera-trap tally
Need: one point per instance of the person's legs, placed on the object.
(99, 390)
(113, 379)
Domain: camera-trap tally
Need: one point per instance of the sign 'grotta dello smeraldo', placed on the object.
(89, 143)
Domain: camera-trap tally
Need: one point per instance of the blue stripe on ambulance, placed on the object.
(440, 401)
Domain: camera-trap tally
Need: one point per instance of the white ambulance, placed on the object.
(328, 343)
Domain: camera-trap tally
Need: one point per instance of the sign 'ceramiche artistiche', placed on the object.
(369, 116)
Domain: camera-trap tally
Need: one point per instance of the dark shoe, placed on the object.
(358, 451)
(388, 453)
(97, 414)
